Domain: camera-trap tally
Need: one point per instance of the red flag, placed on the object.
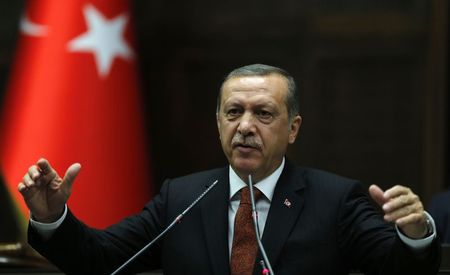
(73, 97)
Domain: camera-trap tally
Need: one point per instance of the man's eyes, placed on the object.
(234, 112)
(263, 115)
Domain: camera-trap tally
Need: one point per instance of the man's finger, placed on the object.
(21, 187)
(377, 194)
(45, 166)
(403, 212)
(48, 174)
(27, 181)
(24, 190)
(396, 191)
(400, 202)
(34, 173)
(70, 176)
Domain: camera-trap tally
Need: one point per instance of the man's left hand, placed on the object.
(402, 207)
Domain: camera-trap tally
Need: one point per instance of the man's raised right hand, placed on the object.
(45, 192)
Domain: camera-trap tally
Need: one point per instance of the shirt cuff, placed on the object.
(46, 230)
(419, 244)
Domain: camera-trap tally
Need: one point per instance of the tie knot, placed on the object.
(245, 195)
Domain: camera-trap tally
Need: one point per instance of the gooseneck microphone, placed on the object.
(175, 221)
(265, 262)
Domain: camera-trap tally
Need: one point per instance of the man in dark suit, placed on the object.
(440, 210)
(313, 222)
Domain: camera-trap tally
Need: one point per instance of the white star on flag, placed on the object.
(104, 38)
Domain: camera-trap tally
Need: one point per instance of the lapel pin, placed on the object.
(287, 203)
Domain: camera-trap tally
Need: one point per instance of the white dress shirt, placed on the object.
(266, 186)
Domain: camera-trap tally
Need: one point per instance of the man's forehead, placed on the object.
(249, 80)
(257, 90)
(255, 83)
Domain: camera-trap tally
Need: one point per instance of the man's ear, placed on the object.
(218, 125)
(217, 121)
(295, 127)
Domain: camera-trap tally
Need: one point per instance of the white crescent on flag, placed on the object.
(30, 28)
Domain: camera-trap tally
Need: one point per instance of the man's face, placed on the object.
(253, 124)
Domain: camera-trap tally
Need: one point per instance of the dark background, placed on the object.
(372, 76)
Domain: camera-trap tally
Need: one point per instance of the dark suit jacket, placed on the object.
(330, 228)
(440, 210)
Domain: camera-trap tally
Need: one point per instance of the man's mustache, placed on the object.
(247, 141)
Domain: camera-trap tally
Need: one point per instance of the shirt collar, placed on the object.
(266, 185)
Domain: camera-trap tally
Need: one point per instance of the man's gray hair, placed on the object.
(292, 100)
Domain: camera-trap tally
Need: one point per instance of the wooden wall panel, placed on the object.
(362, 119)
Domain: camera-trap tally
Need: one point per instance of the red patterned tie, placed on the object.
(244, 249)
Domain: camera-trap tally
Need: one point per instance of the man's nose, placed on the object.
(246, 124)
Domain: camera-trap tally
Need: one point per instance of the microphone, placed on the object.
(265, 262)
(175, 221)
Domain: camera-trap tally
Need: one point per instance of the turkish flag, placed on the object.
(73, 96)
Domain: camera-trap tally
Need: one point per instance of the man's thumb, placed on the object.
(377, 194)
(71, 174)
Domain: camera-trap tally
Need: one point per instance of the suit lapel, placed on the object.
(214, 209)
(287, 203)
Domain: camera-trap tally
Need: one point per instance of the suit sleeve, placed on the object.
(78, 249)
(374, 246)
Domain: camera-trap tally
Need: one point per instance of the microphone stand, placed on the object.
(175, 221)
(265, 260)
